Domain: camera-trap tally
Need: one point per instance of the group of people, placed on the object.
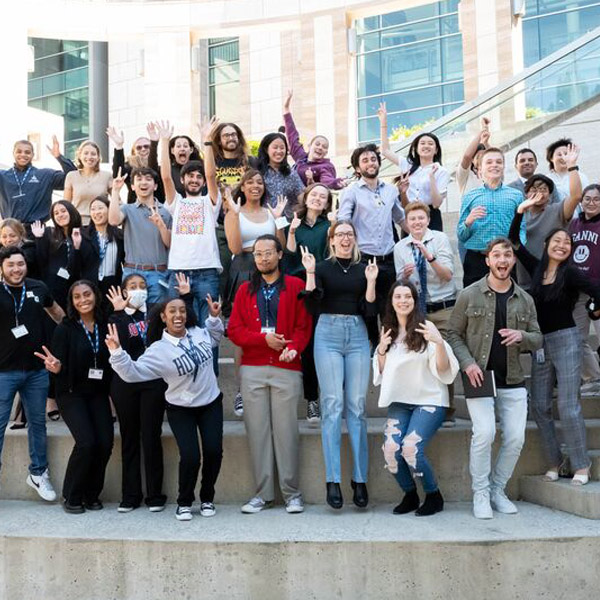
(117, 305)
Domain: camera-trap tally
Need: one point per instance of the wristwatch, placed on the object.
(432, 260)
(575, 168)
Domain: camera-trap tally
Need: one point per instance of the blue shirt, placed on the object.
(371, 213)
(500, 205)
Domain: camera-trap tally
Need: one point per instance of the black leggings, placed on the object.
(89, 420)
(474, 267)
(309, 372)
(208, 420)
(140, 408)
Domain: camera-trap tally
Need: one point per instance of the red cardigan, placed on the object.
(293, 321)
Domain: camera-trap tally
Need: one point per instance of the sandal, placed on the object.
(54, 415)
(581, 478)
(20, 418)
(551, 475)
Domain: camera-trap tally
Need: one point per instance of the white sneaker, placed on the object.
(183, 513)
(481, 505)
(158, 508)
(591, 388)
(255, 505)
(238, 405)
(295, 505)
(41, 484)
(207, 509)
(501, 503)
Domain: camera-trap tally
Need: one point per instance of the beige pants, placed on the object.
(271, 396)
(440, 319)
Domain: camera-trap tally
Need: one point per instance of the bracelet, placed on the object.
(310, 272)
(380, 353)
(575, 168)
(208, 143)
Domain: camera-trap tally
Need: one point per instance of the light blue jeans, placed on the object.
(343, 361)
(157, 282)
(33, 389)
(408, 431)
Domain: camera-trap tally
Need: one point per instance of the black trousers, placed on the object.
(185, 424)
(140, 408)
(474, 267)
(309, 372)
(385, 280)
(89, 420)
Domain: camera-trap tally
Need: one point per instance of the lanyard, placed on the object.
(417, 254)
(95, 343)
(102, 246)
(268, 293)
(19, 305)
(22, 181)
(141, 329)
(191, 353)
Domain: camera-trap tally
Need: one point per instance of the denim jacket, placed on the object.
(471, 327)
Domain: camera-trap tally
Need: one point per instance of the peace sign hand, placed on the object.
(156, 218)
(308, 260)
(112, 338)
(403, 183)
(371, 271)
(214, 306)
(235, 206)
(51, 363)
(115, 297)
(385, 340)
(183, 284)
(119, 181)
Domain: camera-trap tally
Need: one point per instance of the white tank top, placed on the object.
(249, 230)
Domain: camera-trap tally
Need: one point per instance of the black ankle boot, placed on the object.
(434, 503)
(334, 495)
(409, 503)
(361, 494)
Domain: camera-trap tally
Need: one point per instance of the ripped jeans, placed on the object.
(408, 430)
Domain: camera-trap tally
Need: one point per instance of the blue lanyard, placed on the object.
(19, 305)
(141, 329)
(417, 255)
(268, 293)
(191, 353)
(102, 246)
(95, 343)
(22, 181)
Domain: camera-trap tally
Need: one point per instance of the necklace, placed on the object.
(342, 268)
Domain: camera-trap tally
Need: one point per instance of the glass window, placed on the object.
(369, 74)
(224, 77)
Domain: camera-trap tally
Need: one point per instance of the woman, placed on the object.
(312, 166)
(181, 149)
(555, 287)
(427, 179)
(557, 155)
(79, 361)
(308, 230)
(144, 153)
(106, 252)
(180, 352)
(140, 407)
(13, 233)
(341, 291)
(414, 366)
(58, 249)
(279, 179)
(88, 182)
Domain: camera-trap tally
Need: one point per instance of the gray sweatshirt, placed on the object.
(186, 364)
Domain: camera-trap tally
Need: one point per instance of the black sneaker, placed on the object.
(238, 405)
(73, 509)
(313, 411)
(125, 507)
(183, 513)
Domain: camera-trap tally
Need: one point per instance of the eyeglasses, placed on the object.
(142, 147)
(229, 135)
(590, 200)
(344, 234)
(268, 254)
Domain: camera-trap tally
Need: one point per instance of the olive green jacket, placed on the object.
(471, 327)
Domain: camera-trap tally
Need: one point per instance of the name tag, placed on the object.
(95, 373)
(62, 272)
(164, 283)
(267, 329)
(29, 294)
(19, 331)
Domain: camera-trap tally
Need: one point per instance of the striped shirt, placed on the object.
(500, 204)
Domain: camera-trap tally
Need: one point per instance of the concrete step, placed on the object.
(583, 501)
(320, 554)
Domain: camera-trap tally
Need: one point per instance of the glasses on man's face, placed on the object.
(591, 200)
(543, 188)
(229, 136)
(260, 255)
(142, 147)
(344, 234)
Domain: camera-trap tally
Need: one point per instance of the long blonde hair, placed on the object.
(330, 235)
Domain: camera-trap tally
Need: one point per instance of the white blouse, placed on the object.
(412, 377)
(419, 189)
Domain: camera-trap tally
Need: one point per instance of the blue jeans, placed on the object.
(33, 389)
(343, 365)
(157, 282)
(202, 282)
(408, 430)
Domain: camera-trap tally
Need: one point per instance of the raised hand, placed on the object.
(332, 215)
(572, 155)
(119, 181)
(287, 101)
(430, 332)
(76, 238)
(55, 148)
(385, 340)
(477, 213)
(112, 337)
(403, 183)
(183, 284)
(156, 218)
(116, 137)
(214, 306)
(165, 129)
(382, 114)
(207, 128)
(533, 199)
(115, 297)
(308, 260)
(37, 228)
(279, 207)
(434, 169)
(51, 363)
(371, 271)
(422, 249)
(296, 222)
(153, 134)
(234, 205)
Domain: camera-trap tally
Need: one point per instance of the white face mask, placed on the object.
(137, 298)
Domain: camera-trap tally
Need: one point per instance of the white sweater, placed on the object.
(166, 359)
(412, 377)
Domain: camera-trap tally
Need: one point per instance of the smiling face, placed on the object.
(84, 299)
(277, 151)
(417, 222)
(144, 186)
(181, 150)
(426, 148)
(174, 317)
(318, 148)
(559, 159)
(88, 156)
(141, 147)
(14, 269)
(98, 213)
(9, 237)
(317, 198)
(539, 187)
(526, 164)
(193, 182)
(492, 166)
(23, 154)
(229, 139)
(501, 260)
(254, 188)
(61, 215)
(559, 246)
(403, 302)
(591, 203)
(368, 165)
(343, 241)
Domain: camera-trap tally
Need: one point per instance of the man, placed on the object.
(194, 249)
(146, 234)
(23, 330)
(486, 213)
(373, 207)
(492, 323)
(526, 165)
(25, 190)
(425, 257)
(271, 325)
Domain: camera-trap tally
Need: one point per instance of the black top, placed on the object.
(90, 255)
(554, 310)
(497, 359)
(72, 347)
(132, 329)
(16, 354)
(267, 300)
(340, 289)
